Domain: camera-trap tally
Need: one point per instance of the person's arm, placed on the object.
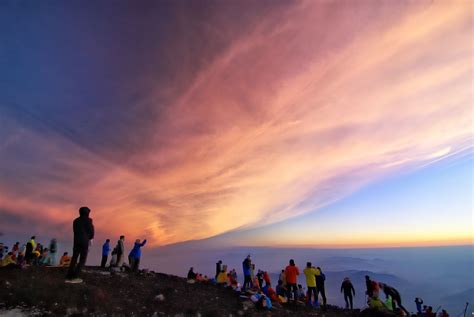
(353, 290)
(143, 243)
(91, 230)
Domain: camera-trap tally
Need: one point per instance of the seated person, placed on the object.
(65, 260)
(223, 278)
(8, 261)
(280, 289)
(191, 274)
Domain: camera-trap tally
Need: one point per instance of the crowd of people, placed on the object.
(33, 253)
(258, 288)
(256, 284)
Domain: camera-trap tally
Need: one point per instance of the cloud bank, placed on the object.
(292, 111)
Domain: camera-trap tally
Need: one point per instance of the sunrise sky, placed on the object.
(322, 123)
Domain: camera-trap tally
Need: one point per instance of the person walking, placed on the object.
(135, 255)
(83, 235)
(349, 291)
(320, 280)
(291, 274)
(105, 253)
(310, 273)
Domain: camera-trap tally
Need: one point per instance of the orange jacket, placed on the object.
(291, 273)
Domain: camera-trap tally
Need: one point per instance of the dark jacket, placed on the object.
(390, 291)
(83, 230)
(348, 288)
(320, 280)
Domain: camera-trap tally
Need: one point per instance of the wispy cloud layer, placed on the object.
(299, 109)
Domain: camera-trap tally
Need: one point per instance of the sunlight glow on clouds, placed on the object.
(306, 108)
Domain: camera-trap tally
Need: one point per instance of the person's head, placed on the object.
(33, 237)
(122, 237)
(443, 311)
(137, 241)
(425, 307)
(17, 243)
(84, 211)
(367, 277)
(10, 253)
(319, 269)
(346, 279)
(299, 286)
(108, 240)
(65, 253)
(308, 264)
(280, 282)
(292, 262)
(283, 271)
(248, 256)
(220, 262)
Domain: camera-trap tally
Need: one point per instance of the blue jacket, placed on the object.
(105, 249)
(246, 267)
(136, 252)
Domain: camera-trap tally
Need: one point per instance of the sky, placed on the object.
(318, 122)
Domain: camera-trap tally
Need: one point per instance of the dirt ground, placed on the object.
(42, 291)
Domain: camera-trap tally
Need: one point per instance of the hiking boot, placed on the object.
(74, 280)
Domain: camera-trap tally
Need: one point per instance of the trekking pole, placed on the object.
(436, 312)
(465, 309)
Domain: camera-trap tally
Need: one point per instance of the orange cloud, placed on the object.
(305, 109)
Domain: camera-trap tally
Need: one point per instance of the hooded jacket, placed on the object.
(136, 252)
(83, 229)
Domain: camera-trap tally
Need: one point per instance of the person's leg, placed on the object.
(323, 294)
(350, 301)
(82, 260)
(288, 291)
(346, 300)
(72, 266)
(102, 262)
(137, 264)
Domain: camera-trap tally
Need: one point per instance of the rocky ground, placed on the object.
(42, 291)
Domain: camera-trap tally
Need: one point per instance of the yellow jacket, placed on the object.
(7, 260)
(222, 278)
(33, 243)
(310, 273)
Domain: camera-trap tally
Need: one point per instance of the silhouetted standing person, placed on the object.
(105, 253)
(348, 290)
(370, 288)
(320, 279)
(218, 268)
(83, 234)
(418, 302)
(246, 268)
(135, 255)
(120, 251)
